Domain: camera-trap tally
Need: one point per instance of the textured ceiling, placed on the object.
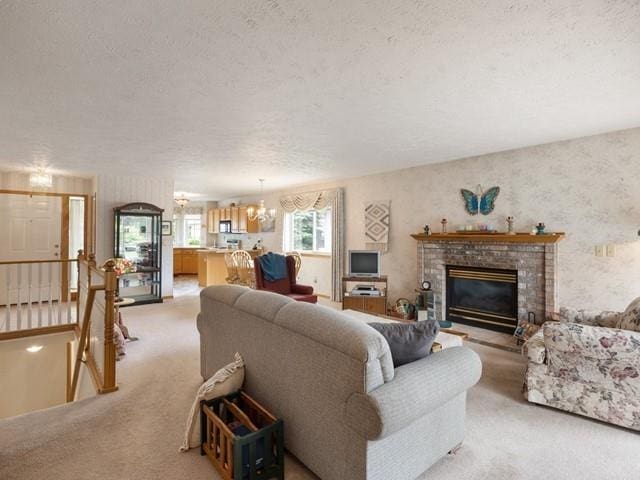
(220, 93)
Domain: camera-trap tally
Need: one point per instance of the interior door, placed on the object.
(31, 230)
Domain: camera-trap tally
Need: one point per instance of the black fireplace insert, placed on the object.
(483, 297)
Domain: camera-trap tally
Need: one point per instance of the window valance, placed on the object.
(307, 200)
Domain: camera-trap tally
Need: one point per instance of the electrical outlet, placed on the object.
(599, 250)
(611, 250)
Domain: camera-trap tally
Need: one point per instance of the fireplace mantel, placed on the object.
(489, 237)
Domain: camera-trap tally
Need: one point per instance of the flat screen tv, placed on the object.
(364, 263)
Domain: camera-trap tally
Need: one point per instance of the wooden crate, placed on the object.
(255, 451)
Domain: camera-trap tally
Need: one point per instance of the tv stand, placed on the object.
(376, 305)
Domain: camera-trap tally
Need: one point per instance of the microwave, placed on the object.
(225, 226)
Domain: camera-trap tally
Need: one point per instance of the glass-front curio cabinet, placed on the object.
(138, 241)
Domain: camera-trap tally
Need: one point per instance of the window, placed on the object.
(308, 231)
(187, 229)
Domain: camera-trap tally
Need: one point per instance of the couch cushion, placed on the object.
(408, 342)
(339, 332)
(262, 304)
(630, 319)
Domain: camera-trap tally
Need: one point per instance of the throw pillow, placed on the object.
(630, 319)
(408, 342)
(225, 381)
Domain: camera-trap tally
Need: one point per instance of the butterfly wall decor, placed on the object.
(480, 201)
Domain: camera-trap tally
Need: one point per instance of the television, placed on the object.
(364, 263)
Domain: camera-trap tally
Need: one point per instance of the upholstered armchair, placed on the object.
(287, 286)
(588, 364)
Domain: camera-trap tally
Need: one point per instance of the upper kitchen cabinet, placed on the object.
(213, 220)
(237, 215)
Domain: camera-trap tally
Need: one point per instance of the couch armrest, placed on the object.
(598, 343)
(301, 289)
(536, 351)
(416, 390)
(586, 317)
(607, 357)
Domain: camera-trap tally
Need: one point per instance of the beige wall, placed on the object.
(589, 188)
(113, 191)
(61, 184)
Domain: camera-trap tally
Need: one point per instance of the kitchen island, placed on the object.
(212, 269)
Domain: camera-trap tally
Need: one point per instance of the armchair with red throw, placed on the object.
(286, 286)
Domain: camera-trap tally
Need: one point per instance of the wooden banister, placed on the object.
(26, 262)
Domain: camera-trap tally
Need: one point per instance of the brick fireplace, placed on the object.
(532, 261)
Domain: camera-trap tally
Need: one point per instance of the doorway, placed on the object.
(39, 228)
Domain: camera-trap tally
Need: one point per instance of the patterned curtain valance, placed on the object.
(307, 200)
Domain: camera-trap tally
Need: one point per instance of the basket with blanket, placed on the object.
(242, 439)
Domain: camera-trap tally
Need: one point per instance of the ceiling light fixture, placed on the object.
(34, 348)
(41, 179)
(261, 213)
(182, 200)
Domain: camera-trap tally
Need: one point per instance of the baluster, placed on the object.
(68, 267)
(19, 300)
(50, 306)
(60, 299)
(30, 287)
(39, 295)
(7, 312)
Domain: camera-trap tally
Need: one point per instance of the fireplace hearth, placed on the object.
(483, 297)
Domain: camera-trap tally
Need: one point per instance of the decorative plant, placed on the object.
(124, 265)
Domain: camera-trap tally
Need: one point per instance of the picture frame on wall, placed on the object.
(268, 225)
(166, 228)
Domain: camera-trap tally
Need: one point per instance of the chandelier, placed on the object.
(40, 179)
(182, 200)
(261, 213)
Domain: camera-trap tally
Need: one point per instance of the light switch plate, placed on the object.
(599, 250)
(611, 250)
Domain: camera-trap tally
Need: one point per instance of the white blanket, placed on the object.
(225, 381)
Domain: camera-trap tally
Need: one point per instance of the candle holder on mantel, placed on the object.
(444, 225)
(510, 230)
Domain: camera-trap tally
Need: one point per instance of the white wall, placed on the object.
(588, 188)
(61, 184)
(113, 191)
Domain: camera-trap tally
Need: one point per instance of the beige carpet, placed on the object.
(135, 432)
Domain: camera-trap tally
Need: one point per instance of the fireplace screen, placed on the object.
(483, 297)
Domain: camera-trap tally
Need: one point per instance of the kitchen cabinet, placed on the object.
(185, 261)
(253, 226)
(235, 220)
(237, 215)
(242, 218)
(213, 220)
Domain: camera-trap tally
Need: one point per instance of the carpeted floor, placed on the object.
(135, 432)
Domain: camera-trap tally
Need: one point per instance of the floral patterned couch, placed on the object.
(588, 364)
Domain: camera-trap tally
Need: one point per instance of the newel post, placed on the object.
(110, 284)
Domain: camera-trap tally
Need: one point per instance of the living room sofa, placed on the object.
(348, 414)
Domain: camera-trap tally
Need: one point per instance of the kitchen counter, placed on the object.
(212, 269)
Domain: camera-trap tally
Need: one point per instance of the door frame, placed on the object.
(89, 237)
